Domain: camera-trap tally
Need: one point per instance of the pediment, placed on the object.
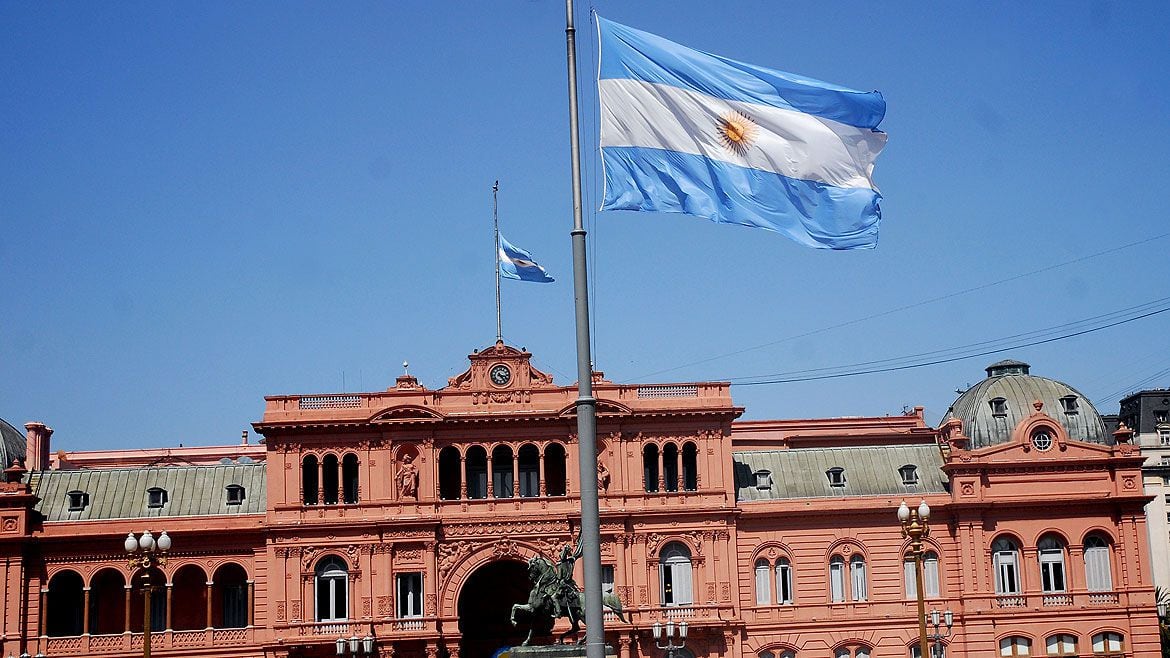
(604, 408)
(406, 414)
(499, 368)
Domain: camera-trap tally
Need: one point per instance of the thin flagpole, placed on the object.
(496, 221)
(590, 534)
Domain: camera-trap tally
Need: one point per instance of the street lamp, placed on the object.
(670, 647)
(354, 644)
(914, 527)
(145, 553)
(948, 620)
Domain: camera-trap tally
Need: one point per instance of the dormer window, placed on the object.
(78, 500)
(1070, 404)
(235, 494)
(909, 474)
(763, 479)
(1160, 417)
(998, 406)
(836, 476)
(156, 497)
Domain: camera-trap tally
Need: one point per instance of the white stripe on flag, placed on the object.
(787, 142)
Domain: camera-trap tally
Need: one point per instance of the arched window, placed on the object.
(783, 581)
(450, 478)
(107, 603)
(476, 472)
(690, 466)
(852, 651)
(929, 576)
(937, 650)
(1098, 574)
(349, 479)
(763, 582)
(64, 605)
(502, 477)
(1061, 645)
(332, 589)
(309, 485)
(674, 569)
(230, 597)
(857, 578)
(554, 470)
(329, 480)
(188, 598)
(1015, 645)
(837, 579)
(670, 467)
(1006, 561)
(529, 463)
(158, 601)
(1107, 644)
(650, 467)
(1051, 564)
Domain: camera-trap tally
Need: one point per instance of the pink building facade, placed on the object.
(407, 516)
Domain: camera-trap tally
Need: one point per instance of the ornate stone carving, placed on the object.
(280, 611)
(383, 606)
(450, 554)
(296, 610)
(505, 548)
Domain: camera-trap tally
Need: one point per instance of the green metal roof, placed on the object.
(868, 471)
(121, 493)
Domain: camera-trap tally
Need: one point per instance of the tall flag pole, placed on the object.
(590, 532)
(496, 221)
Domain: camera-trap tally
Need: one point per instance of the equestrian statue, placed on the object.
(554, 595)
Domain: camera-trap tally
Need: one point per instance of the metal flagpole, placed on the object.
(590, 536)
(496, 221)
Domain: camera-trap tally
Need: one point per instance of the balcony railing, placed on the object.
(85, 645)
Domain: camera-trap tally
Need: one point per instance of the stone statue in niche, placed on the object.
(602, 477)
(407, 478)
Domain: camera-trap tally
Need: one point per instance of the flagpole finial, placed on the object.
(406, 367)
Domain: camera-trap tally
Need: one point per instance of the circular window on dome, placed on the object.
(1042, 439)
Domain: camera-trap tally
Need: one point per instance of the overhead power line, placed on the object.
(959, 353)
(899, 309)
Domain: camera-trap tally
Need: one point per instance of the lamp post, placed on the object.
(145, 553)
(948, 619)
(355, 644)
(670, 647)
(914, 527)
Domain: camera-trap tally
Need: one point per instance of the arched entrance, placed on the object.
(485, 607)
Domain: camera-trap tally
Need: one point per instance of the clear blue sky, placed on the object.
(205, 203)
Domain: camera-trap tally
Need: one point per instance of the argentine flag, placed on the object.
(515, 263)
(690, 132)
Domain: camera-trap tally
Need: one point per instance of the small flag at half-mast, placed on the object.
(515, 263)
(690, 132)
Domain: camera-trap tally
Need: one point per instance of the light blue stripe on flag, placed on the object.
(690, 132)
(516, 263)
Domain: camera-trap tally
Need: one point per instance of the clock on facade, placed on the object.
(500, 375)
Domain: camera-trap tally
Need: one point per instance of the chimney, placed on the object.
(244, 438)
(36, 451)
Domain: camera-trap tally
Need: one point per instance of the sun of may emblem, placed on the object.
(737, 132)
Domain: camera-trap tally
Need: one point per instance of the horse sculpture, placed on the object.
(555, 595)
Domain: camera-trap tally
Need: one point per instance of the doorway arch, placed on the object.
(485, 607)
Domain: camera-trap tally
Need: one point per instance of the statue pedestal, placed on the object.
(554, 651)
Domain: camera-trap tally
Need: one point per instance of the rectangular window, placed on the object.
(930, 576)
(235, 605)
(410, 595)
(1164, 437)
(857, 572)
(1005, 573)
(763, 583)
(607, 579)
(910, 578)
(1160, 416)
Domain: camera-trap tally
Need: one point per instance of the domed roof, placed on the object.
(12, 444)
(991, 409)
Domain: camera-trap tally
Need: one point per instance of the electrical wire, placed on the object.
(899, 309)
(786, 378)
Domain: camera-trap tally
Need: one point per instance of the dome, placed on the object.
(991, 409)
(12, 444)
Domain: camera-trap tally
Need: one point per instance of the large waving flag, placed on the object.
(515, 263)
(690, 132)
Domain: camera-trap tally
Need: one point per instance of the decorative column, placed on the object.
(126, 618)
(624, 646)
(85, 610)
(170, 597)
(491, 476)
(462, 477)
(540, 467)
(321, 481)
(430, 582)
(250, 612)
(210, 593)
(515, 477)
